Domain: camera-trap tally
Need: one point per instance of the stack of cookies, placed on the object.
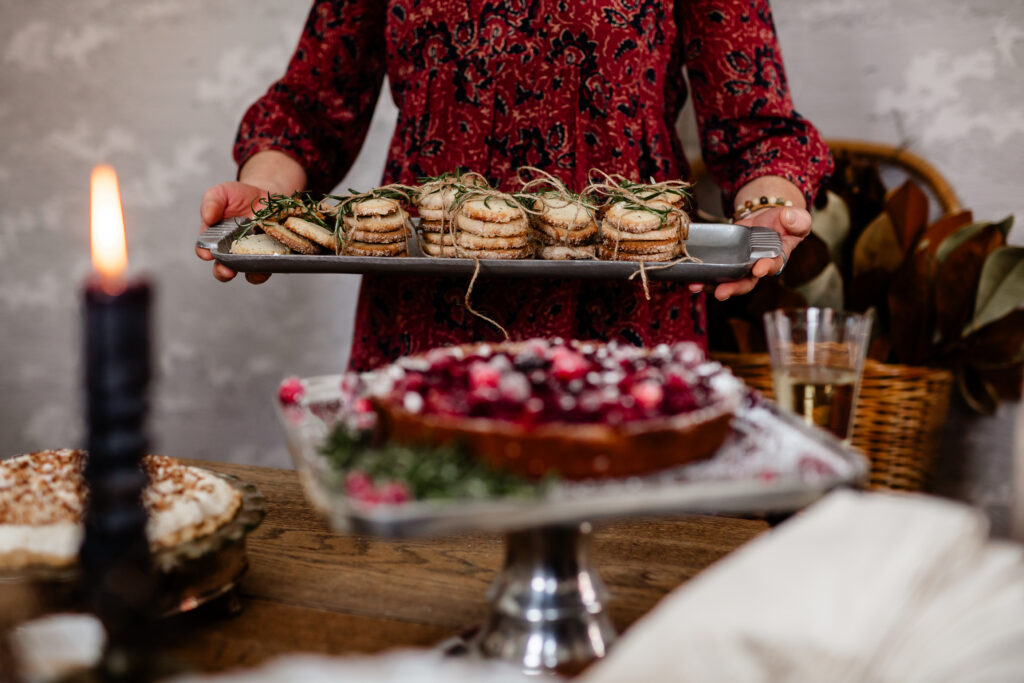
(434, 206)
(375, 226)
(489, 227)
(651, 232)
(563, 228)
(289, 230)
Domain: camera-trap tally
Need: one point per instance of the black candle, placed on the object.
(115, 553)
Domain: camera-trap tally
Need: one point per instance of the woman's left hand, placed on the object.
(791, 222)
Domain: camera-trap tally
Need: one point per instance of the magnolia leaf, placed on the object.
(956, 281)
(938, 231)
(912, 310)
(832, 223)
(997, 345)
(826, 290)
(878, 248)
(951, 243)
(1000, 287)
(806, 261)
(907, 207)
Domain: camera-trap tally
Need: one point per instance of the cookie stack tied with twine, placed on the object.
(434, 200)
(282, 225)
(372, 223)
(564, 226)
(644, 222)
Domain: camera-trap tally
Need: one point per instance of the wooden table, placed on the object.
(310, 589)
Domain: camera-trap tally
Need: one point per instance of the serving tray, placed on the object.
(723, 251)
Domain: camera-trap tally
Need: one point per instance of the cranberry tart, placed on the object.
(576, 409)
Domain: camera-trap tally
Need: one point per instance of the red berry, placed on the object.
(648, 394)
(290, 391)
(357, 483)
(483, 376)
(394, 492)
(567, 365)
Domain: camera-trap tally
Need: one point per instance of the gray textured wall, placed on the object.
(156, 87)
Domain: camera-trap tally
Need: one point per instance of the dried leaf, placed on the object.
(907, 207)
(826, 290)
(956, 280)
(912, 309)
(978, 393)
(1000, 287)
(806, 261)
(938, 231)
(878, 248)
(832, 223)
(951, 243)
(998, 345)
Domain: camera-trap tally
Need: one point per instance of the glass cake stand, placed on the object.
(548, 602)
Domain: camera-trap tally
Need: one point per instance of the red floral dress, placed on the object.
(564, 85)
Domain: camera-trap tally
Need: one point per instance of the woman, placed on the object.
(563, 85)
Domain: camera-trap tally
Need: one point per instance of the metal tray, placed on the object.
(725, 252)
(773, 462)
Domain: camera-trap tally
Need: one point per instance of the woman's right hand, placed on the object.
(228, 200)
(266, 172)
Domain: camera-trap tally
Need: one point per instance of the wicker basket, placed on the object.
(899, 418)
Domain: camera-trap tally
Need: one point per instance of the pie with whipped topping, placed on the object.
(43, 497)
(576, 409)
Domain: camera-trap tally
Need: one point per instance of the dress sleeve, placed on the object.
(748, 126)
(320, 111)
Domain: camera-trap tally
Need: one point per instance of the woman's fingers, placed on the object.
(223, 273)
(257, 278)
(797, 222)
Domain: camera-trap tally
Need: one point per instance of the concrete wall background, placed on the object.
(156, 87)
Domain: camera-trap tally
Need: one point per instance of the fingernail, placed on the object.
(788, 215)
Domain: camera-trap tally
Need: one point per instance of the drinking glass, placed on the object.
(817, 360)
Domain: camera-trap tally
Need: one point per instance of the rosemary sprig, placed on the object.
(429, 472)
(278, 207)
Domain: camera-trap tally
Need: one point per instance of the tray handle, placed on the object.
(211, 237)
(765, 243)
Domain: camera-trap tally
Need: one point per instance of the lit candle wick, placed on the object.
(109, 248)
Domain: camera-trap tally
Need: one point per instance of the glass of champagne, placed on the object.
(817, 361)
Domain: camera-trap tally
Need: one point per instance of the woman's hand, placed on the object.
(793, 223)
(235, 199)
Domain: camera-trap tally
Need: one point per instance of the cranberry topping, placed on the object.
(555, 381)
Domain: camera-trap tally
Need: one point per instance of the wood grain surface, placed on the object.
(309, 589)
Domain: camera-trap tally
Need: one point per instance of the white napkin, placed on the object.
(395, 666)
(860, 587)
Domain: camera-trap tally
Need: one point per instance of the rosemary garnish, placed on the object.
(276, 208)
(429, 472)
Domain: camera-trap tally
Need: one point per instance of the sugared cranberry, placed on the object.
(290, 391)
(514, 387)
(567, 365)
(648, 394)
(358, 483)
(483, 376)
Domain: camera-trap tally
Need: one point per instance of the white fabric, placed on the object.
(860, 587)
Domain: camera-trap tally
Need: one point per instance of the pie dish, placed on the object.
(577, 410)
(198, 521)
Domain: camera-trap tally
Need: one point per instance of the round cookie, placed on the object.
(259, 245)
(491, 210)
(290, 239)
(372, 249)
(436, 200)
(606, 254)
(562, 253)
(435, 226)
(399, 235)
(641, 246)
(497, 254)
(313, 232)
(563, 213)
(471, 241)
(444, 238)
(564, 236)
(638, 220)
(611, 234)
(388, 223)
(512, 228)
(375, 206)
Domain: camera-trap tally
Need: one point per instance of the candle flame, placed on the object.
(109, 248)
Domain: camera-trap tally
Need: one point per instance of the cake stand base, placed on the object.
(547, 603)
